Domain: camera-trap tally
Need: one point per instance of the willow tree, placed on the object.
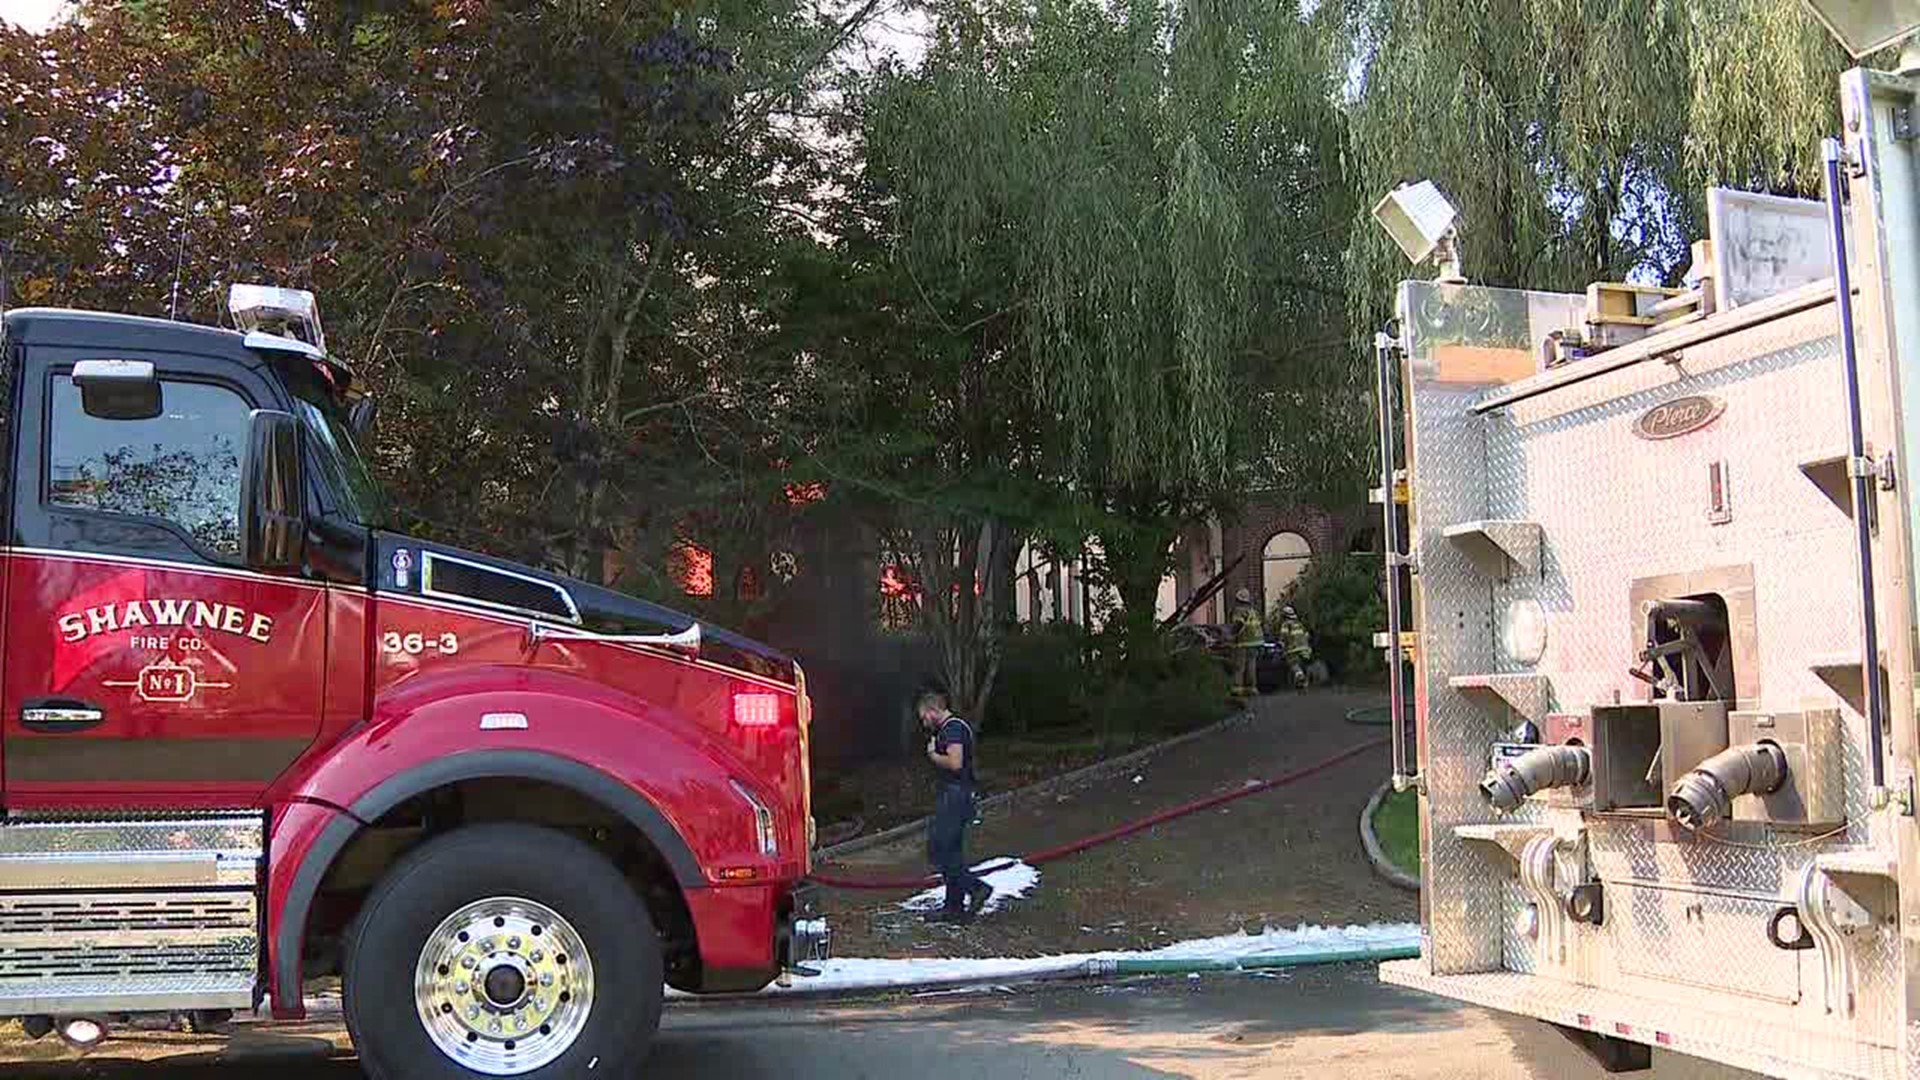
(1151, 193)
(1578, 136)
(1765, 91)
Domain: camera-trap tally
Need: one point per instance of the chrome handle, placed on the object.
(1405, 767)
(61, 718)
(1833, 156)
(688, 639)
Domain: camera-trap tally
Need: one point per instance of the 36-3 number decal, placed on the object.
(413, 644)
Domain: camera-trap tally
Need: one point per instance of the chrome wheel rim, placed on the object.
(504, 986)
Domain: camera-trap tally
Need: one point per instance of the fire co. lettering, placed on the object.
(141, 614)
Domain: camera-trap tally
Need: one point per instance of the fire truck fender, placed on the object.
(333, 838)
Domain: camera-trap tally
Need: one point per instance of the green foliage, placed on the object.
(1338, 599)
(1046, 679)
(1059, 682)
(1124, 212)
(1140, 702)
(1578, 136)
(1765, 89)
(1543, 120)
(625, 274)
(546, 235)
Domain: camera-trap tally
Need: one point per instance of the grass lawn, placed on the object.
(1397, 824)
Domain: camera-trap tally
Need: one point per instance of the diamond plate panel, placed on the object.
(1878, 999)
(1679, 935)
(1612, 509)
(1759, 1036)
(144, 993)
(67, 950)
(1517, 953)
(1466, 918)
(1632, 851)
(240, 834)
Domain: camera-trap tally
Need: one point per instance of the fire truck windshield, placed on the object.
(324, 415)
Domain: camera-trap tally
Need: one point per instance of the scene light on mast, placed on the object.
(1867, 26)
(288, 314)
(1424, 225)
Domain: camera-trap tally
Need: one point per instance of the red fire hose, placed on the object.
(1117, 832)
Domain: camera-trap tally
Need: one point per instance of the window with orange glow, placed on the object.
(691, 567)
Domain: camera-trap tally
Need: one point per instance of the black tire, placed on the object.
(480, 862)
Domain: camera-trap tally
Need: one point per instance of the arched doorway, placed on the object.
(1285, 558)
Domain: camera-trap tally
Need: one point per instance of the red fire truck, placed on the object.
(249, 737)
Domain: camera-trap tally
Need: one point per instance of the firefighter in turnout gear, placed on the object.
(1296, 646)
(1249, 634)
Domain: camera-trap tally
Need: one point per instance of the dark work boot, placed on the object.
(978, 896)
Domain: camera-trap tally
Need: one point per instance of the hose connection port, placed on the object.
(1510, 780)
(1704, 797)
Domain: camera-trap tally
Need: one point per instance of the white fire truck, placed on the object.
(1653, 566)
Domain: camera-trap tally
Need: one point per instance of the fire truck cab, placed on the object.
(250, 737)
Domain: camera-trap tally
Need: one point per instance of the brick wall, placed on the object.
(1325, 531)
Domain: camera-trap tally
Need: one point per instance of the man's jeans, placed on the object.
(947, 842)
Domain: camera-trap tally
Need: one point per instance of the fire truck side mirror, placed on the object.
(273, 527)
(118, 389)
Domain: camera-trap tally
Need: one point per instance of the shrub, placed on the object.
(1044, 681)
(1178, 693)
(1057, 680)
(1339, 600)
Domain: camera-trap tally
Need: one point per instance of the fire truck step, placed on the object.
(1755, 1035)
(129, 914)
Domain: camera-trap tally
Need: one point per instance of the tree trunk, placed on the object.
(960, 567)
(601, 407)
(1136, 557)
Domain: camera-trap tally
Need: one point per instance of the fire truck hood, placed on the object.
(450, 575)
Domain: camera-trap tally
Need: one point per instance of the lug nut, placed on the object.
(537, 956)
(467, 962)
(513, 942)
(494, 1027)
(547, 979)
(473, 1012)
(460, 987)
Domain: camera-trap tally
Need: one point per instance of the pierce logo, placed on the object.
(1681, 416)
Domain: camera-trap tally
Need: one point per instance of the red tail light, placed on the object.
(756, 710)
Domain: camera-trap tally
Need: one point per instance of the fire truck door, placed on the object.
(145, 664)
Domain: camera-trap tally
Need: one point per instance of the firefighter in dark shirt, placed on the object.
(950, 748)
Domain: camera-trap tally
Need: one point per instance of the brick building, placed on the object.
(1274, 542)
